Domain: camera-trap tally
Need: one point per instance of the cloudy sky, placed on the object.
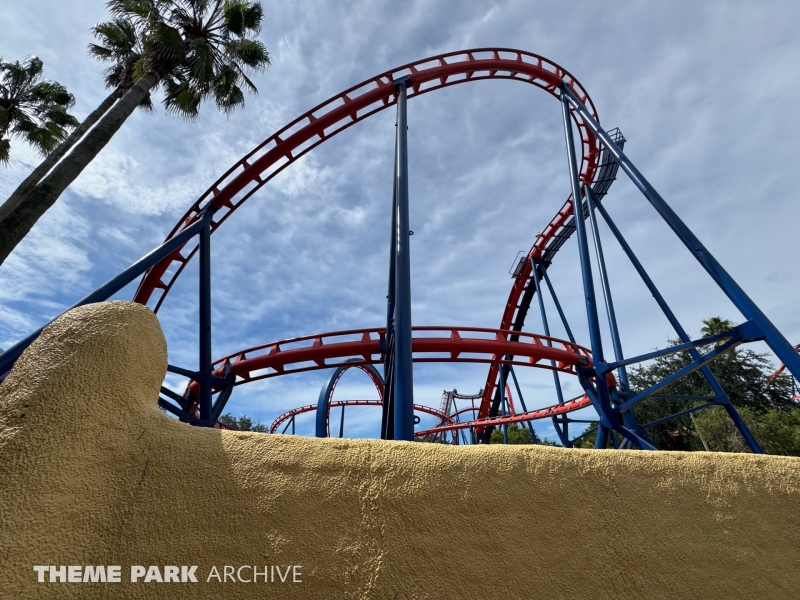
(702, 91)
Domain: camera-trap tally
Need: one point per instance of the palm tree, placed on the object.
(192, 49)
(32, 108)
(121, 46)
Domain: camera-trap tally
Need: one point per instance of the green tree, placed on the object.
(243, 423)
(32, 108)
(516, 435)
(777, 431)
(519, 434)
(767, 409)
(191, 49)
(548, 442)
(587, 441)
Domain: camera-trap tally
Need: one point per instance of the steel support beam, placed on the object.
(111, 287)
(616, 342)
(553, 295)
(223, 396)
(588, 283)
(563, 429)
(178, 412)
(534, 437)
(775, 340)
(683, 413)
(704, 359)
(628, 417)
(387, 411)
(403, 377)
(679, 330)
(205, 359)
(503, 404)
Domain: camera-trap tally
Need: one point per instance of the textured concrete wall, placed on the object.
(91, 473)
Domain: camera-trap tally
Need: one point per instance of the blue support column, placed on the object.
(204, 370)
(111, 287)
(591, 201)
(775, 340)
(403, 367)
(458, 420)
(534, 437)
(588, 283)
(503, 408)
(387, 416)
(562, 430)
(289, 422)
(682, 335)
(341, 424)
(570, 337)
(628, 417)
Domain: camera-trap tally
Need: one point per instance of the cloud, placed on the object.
(46, 267)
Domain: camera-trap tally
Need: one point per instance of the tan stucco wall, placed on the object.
(91, 473)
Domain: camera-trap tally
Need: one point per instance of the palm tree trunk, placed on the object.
(24, 188)
(16, 225)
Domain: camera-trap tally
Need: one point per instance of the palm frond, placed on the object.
(142, 9)
(251, 87)
(147, 104)
(201, 60)
(58, 115)
(230, 100)
(100, 52)
(33, 67)
(33, 109)
(52, 92)
(167, 43)
(253, 15)
(118, 36)
(5, 151)
(43, 139)
(251, 53)
(200, 49)
(182, 99)
(234, 16)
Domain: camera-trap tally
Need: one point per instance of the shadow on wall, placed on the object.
(92, 473)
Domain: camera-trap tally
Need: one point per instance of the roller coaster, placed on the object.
(387, 353)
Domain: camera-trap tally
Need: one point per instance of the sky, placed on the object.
(701, 90)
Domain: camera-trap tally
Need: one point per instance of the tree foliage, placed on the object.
(121, 45)
(199, 48)
(243, 423)
(767, 410)
(32, 108)
(192, 50)
(518, 434)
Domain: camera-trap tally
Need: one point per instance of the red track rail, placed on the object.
(306, 132)
(312, 407)
(517, 290)
(541, 413)
(429, 344)
(780, 370)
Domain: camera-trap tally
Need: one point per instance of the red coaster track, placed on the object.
(324, 121)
